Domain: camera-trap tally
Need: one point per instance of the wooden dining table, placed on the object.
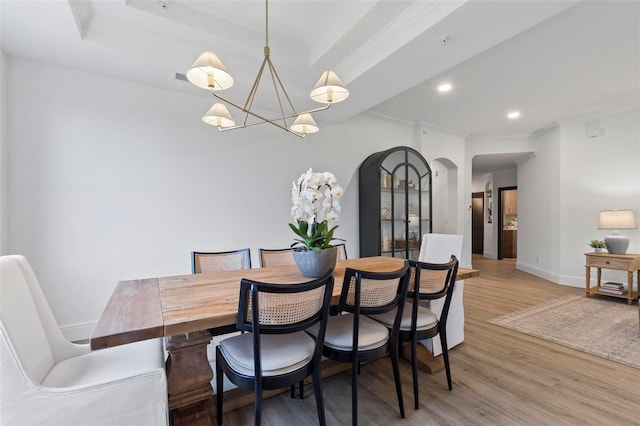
(187, 310)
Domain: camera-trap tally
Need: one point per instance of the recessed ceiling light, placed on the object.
(513, 115)
(445, 87)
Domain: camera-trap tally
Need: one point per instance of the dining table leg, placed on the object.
(189, 373)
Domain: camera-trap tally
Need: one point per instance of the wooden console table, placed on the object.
(621, 262)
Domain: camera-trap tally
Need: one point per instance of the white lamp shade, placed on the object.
(219, 116)
(616, 219)
(329, 89)
(209, 72)
(304, 124)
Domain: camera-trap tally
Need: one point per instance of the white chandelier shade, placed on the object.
(329, 89)
(208, 72)
(304, 124)
(219, 116)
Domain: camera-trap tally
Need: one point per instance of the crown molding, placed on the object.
(615, 109)
(413, 21)
(375, 114)
(544, 130)
(443, 129)
(82, 12)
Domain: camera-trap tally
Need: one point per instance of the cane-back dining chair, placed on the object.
(342, 251)
(428, 281)
(276, 257)
(276, 352)
(353, 337)
(220, 261)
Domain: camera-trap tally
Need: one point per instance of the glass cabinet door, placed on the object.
(404, 203)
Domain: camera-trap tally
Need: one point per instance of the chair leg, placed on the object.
(396, 377)
(355, 370)
(445, 357)
(257, 406)
(317, 388)
(293, 391)
(301, 386)
(219, 390)
(414, 369)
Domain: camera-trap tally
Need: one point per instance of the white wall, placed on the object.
(112, 180)
(562, 189)
(597, 174)
(538, 208)
(4, 155)
(451, 198)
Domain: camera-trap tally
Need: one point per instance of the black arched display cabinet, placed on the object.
(395, 203)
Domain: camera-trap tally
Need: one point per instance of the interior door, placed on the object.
(477, 222)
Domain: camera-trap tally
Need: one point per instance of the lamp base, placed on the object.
(617, 244)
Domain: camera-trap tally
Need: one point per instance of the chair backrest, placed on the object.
(276, 257)
(23, 315)
(265, 308)
(432, 281)
(282, 308)
(373, 292)
(220, 261)
(438, 248)
(342, 251)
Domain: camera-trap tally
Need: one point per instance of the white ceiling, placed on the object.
(552, 60)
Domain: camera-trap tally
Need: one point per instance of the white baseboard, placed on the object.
(490, 255)
(550, 276)
(538, 272)
(573, 281)
(79, 331)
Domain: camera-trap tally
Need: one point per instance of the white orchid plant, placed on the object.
(315, 201)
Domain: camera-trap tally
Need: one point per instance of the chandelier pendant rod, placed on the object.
(254, 89)
(275, 79)
(274, 76)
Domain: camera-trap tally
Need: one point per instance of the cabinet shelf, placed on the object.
(402, 191)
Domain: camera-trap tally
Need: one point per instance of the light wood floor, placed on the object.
(500, 377)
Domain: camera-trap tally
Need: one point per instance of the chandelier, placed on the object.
(208, 72)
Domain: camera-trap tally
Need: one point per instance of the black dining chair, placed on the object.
(352, 336)
(276, 352)
(220, 260)
(428, 281)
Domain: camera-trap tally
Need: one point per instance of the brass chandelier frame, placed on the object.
(209, 72)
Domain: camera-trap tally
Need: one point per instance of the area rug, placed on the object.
(607, 328)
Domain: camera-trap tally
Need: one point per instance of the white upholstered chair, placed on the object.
(47, 380)
(438, 248)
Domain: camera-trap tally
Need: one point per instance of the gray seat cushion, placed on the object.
(339, 334)
(280, 353)
(426, 318)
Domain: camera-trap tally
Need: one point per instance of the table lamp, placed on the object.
(616, 219)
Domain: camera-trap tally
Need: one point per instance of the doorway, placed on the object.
(477, 222)
(508, 222)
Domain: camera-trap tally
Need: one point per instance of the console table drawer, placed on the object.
(608, 263)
